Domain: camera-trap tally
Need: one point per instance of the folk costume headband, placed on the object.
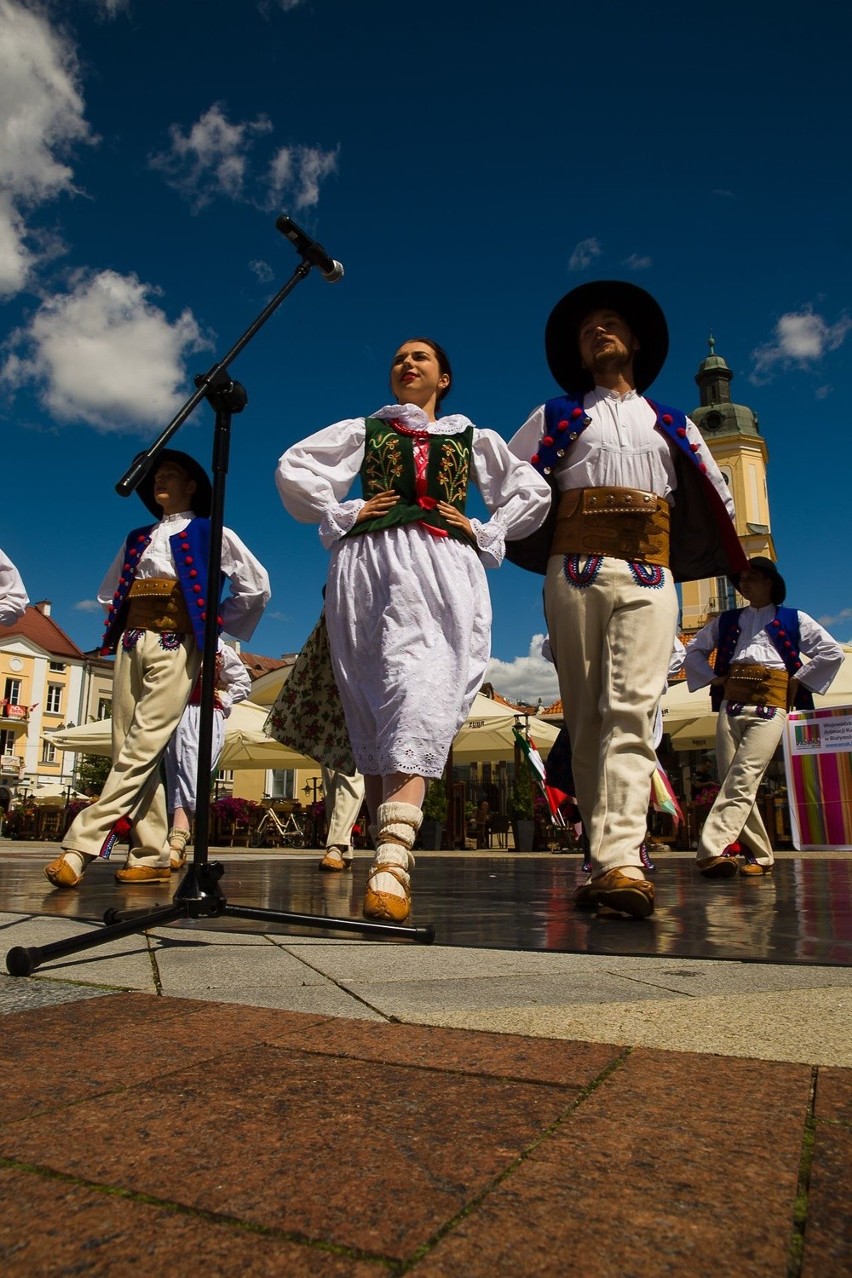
(638, 308)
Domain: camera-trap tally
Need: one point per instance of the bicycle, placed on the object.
(273, 832)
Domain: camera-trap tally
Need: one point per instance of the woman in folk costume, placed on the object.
(407, 604)
(233, 684)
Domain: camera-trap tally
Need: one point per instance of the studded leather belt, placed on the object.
(756, 685)
(624, 523)
(158, 604)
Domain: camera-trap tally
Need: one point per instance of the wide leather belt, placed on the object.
(756, 685)
(625, 523)
(158, 604)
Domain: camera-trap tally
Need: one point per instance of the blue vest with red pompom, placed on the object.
(190, 552)
(703, 540)
(783, 632)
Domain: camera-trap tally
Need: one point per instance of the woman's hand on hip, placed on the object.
(456, 518)
(377, 506)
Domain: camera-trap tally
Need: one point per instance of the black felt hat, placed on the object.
(202, 498)
(638, 308)
(767, 567)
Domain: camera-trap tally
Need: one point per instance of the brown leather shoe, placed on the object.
(385, 905)
(755, 868)
(143, 874)
(61, 875)
(615, 891)
(718, 867)
(335, 860)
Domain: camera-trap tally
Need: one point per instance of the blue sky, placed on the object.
(468, 163)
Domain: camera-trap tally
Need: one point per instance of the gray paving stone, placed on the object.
(25, 995)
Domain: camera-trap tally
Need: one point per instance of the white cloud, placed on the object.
(42, 112)
(525, 678)
(262, 270)
(800, 339)
(844, 617)
(211, 157)
(313, 166)
(216, 157)
(637, 262)
(584, 254)
(87, 605)
(104, 353)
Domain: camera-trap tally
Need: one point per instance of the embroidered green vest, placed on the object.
(389, 463)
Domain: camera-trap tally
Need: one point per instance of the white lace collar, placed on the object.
(412, 416)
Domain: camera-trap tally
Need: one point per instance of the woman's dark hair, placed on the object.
(443, 363)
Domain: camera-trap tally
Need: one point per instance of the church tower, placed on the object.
(732, 434)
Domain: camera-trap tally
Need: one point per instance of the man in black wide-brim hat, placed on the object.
(154, 597)
(757, 676)
(640, 504)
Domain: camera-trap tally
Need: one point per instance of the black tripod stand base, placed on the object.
(199, 896)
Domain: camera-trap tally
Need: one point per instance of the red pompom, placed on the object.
(667, 418)
(576, 412)
(535, 459)
(547, 441)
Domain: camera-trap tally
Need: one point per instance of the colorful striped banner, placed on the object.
(818, 763)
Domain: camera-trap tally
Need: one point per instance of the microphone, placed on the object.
(310, 250)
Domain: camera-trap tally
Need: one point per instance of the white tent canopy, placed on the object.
(485, 737)
(246, 744)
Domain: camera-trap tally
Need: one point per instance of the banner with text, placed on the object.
(818, 761)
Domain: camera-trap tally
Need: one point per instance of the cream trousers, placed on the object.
(612, 640)
(343, 798)
(745, 744)
(151, 687)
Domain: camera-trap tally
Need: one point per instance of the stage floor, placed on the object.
(802, 913)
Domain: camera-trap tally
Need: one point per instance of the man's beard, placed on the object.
(610, 358)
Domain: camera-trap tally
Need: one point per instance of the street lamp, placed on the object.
(313, 788)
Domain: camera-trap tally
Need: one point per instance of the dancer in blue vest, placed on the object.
(641, 505)
(154, 596)
(758, 676)
(407, 604)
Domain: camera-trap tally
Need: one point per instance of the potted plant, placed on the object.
(434, 816)
(521, 803)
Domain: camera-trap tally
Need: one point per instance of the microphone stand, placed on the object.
(199, 893)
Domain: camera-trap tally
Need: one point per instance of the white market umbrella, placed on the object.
(486, 735)
(246, 744)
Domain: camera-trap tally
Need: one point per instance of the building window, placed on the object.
(13, 692)
(53, 705)
(104, 708)
(48, 754)
(57, 667)
(7, 744)
(283, 783)
(726, 595)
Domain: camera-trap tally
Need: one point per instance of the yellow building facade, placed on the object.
(733, 436)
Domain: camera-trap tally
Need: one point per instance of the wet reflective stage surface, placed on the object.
(802, 913)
